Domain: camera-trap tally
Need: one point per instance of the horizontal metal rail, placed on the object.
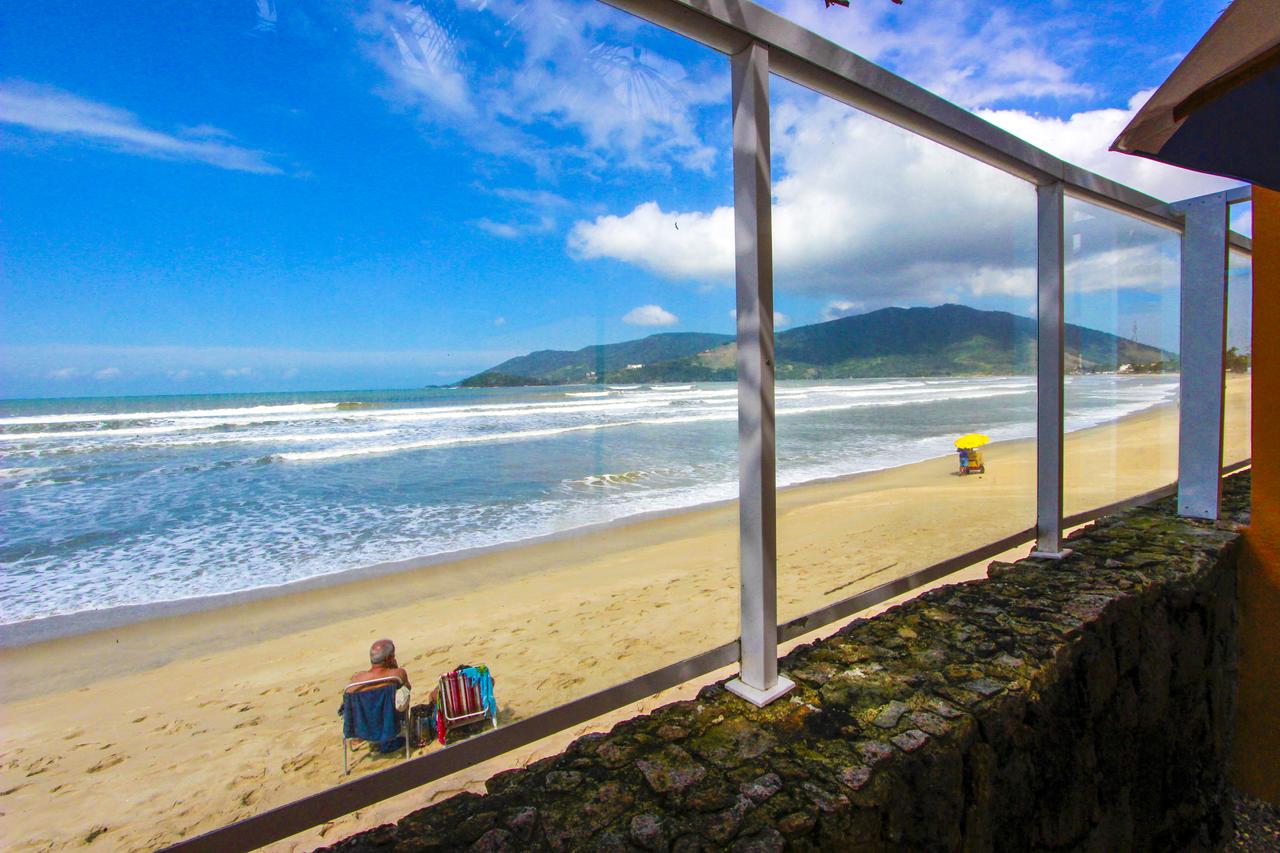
(804, 57)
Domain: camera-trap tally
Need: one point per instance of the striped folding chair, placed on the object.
(460, 702)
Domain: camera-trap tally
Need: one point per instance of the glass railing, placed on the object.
(1237, 408)
(1121, 386)
(912, 351)
(530, 228)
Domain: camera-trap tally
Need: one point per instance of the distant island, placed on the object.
(947, 340)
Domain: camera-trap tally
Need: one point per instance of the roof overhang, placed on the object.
(1219, 111)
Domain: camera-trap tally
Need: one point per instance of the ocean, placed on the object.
(110, 502)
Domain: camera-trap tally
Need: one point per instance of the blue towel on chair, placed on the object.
(371, 715)
(480, 677)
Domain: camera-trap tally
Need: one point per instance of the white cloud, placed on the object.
(966, 51)
(514, 230)
(780, 320)
(837, 308)
(182, 375)
(702, 248)
(513, 75)
(289, 373)
(499, 321)
(63, 373)
(1084, 139)
(44, 109)
(237, 372)
(867, 215)
(863, 212)
(1242, 219)
(107, 373)
(420, 56)
(650, 315)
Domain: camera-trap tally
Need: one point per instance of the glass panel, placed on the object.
(1237, 412)
(1122, 304)
(905, 274)
(272, 281)
(1241, 218)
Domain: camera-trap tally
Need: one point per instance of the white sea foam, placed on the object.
(104, 417)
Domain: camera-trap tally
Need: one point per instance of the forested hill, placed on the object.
(944, 341)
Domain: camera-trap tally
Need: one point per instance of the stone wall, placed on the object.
(1081, 705)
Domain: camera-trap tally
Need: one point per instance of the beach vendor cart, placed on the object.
(971, 461)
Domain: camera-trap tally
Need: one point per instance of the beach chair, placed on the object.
(371, 715)
(465, 697)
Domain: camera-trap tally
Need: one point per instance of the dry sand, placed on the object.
(133, 737)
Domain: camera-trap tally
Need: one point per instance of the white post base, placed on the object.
(1051, 555)
(760, 698)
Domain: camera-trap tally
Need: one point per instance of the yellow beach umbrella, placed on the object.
(972, 440)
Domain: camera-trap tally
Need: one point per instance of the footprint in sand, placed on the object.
(297, 762)
(139, 719)
(255, 721)
(40, 765)
(73, 734)
(110, 761)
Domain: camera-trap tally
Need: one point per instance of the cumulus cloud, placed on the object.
(863, 212)
(237, 372)
(63, 373)
(866, 215)
(46, 110)
(1084, 137)
(107, 373)
(650, 315)
(499, 321)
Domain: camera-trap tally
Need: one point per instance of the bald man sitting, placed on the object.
(382, 664)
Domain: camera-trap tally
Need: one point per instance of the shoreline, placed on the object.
(15, 635)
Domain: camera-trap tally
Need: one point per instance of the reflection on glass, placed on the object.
(275, 276)
(1122, 304)
(905, 275)
(1237, 411)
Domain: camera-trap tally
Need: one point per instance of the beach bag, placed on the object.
(402, 699)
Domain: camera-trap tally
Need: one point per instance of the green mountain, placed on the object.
(944, 341)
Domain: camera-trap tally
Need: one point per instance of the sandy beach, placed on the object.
(136, 736)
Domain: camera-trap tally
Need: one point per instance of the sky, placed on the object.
(262, 195)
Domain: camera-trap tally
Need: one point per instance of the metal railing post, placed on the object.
(757, 680)
(1050, 366)
(1203, 340)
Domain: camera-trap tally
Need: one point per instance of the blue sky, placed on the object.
(302, 194)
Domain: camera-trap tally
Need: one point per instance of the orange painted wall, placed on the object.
(1256, 746)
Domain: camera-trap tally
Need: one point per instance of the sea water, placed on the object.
(108, 502)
